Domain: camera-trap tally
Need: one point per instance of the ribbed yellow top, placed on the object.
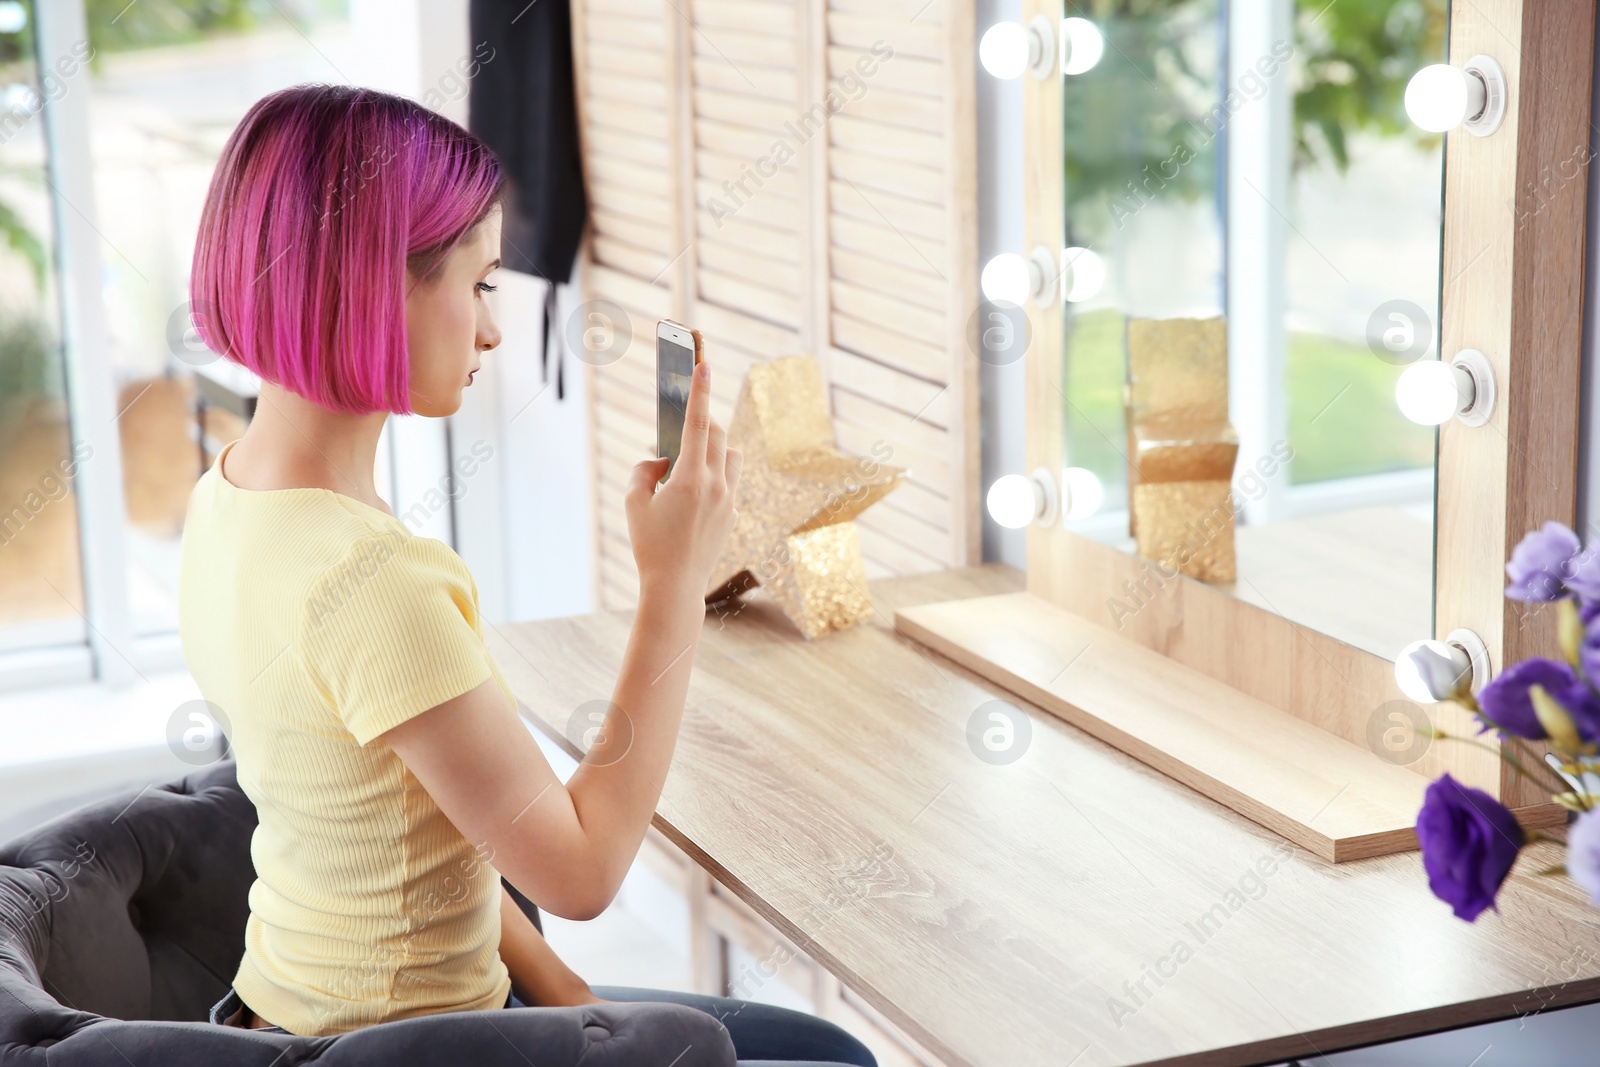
(314, 622)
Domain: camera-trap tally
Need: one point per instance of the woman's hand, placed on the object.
(566, 994)
(570, 851)
(538, 976)
(678, 531)
(573, 997)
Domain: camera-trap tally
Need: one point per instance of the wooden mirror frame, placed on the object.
(1267, 716)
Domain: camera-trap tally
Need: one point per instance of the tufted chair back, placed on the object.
(122, 922)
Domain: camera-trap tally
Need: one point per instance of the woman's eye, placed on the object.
(485, 287)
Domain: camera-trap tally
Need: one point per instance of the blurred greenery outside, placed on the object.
(118, 26)
(1342, 416)
(30, 355)
(30, 351)
(1144, 114)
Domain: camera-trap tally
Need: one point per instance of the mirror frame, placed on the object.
(1512, 286)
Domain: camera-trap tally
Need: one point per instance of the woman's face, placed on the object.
(448, 325)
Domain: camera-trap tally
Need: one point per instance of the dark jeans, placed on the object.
(224, 1010)
(762, 1035)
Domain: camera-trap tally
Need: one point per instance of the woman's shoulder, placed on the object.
(307, 538)
(405, 558)
(381, 556)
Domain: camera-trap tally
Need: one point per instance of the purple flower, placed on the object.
(1589, 648)
(1540, 564)
(1583, 573)
(1506, 702)
(1583, 854)
(1469, 842)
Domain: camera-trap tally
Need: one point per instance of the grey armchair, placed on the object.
(122, 922)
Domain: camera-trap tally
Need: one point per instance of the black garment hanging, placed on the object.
(522, 104)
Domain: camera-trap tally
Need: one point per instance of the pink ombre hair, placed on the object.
(324, 196)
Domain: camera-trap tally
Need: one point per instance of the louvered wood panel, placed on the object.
(622, 51)
(745, 85)
(791, 176)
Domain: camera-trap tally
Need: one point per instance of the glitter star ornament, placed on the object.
(797, 496)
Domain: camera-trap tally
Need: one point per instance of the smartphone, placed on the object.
(678, 351)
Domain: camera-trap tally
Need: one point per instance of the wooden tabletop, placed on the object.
(1071, 907)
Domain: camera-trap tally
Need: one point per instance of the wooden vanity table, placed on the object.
(1000, 914)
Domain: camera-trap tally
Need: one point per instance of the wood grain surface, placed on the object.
(1323, 793)
(1072, 907)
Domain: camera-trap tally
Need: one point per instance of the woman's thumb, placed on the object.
(646, 473)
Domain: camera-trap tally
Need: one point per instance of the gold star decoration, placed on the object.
(797, 496)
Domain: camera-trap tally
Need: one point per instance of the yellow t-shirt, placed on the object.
(314, 622)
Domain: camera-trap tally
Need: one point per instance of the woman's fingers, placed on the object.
(697, 420)
(716, 446)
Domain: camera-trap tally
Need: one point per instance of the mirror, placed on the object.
(1251, 260)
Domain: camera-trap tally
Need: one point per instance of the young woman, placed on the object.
(343, 254)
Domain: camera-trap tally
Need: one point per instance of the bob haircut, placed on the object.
(324, 198)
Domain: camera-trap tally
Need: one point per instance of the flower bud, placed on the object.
(1569, 629)
(1558, 725)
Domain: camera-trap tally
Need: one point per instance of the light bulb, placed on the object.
(1013, 501)
(1429, 671)
(1006, 279)
(1087, 271)
(1441, 97)
(1082, 45)
(1003, 50)
(1430, 392)
(1083, 492)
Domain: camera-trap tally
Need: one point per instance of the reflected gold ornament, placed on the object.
(1181, 446)
(797, 496)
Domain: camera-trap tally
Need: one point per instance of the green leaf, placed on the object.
(15, 233)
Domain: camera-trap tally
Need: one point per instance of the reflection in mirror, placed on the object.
(1252, 259)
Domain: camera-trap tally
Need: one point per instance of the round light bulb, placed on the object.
(1429, 671)
(1013, 501)
(1087, 271)
(1430, 392)
(1441, 97)
(1003, 50)
(1084, 492)
(1082, 45)
(1006, 280)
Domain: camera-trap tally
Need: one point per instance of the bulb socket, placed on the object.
(1487, 111)
(1041, 48)
(1475, 366)
(1046, 497)
(1478, 652)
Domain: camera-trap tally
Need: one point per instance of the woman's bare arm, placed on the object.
(567, 847)
(538, 976)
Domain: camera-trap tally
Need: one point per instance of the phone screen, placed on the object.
(674, 372)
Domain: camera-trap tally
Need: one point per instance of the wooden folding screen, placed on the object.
(789, 176)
